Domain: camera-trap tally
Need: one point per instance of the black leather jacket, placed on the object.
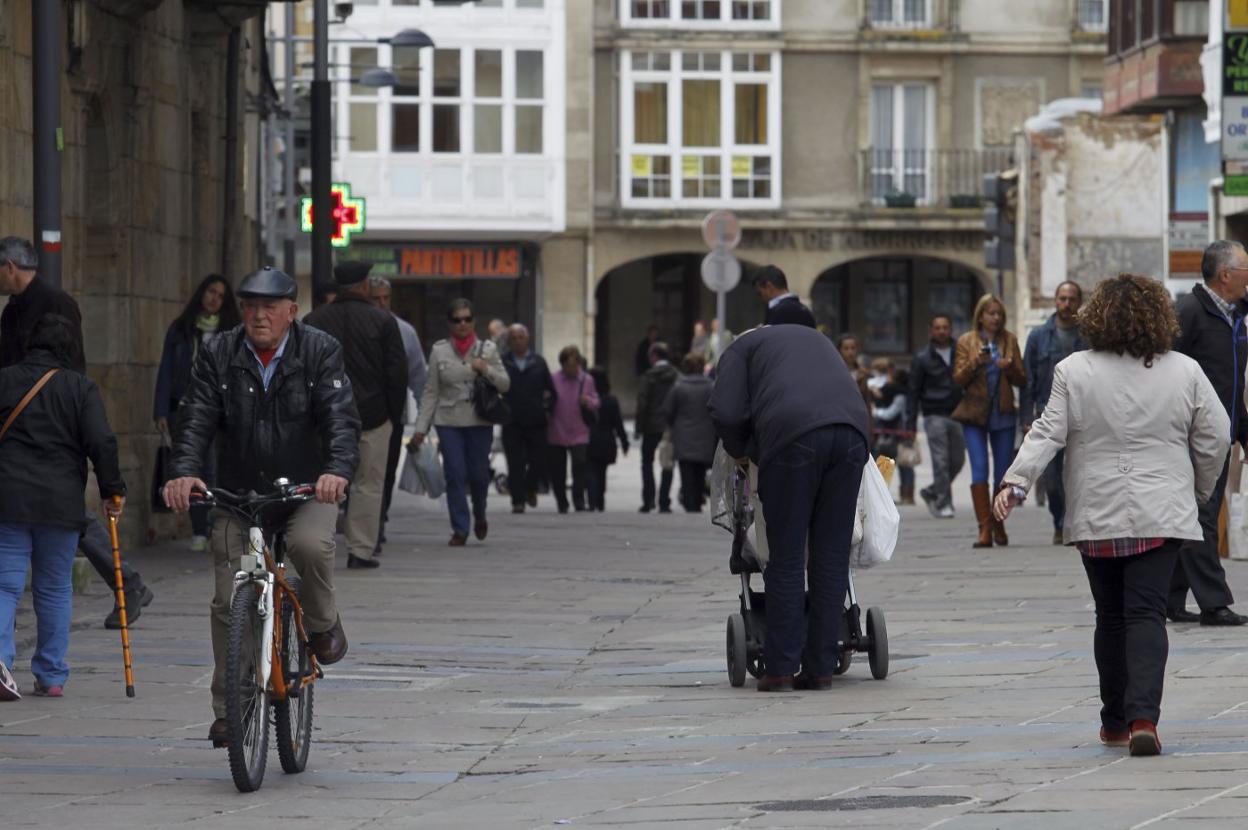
(303, 426)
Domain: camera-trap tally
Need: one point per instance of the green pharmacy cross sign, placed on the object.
(346, 214)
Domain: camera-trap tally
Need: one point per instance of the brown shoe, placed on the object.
(983, 515)
(480, 529)
(458, 540)
(330, 646)
(532, 499)
(775, 683)
(999, 536)
(219, 734)
(812, 682)
(1143, 740)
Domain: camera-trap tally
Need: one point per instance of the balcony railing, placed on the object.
(928, 178)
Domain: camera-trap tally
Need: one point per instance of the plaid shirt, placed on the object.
(1229, 310)
(1116, 548)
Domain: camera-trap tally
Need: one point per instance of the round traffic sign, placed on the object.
(721, 229)
(721, 271)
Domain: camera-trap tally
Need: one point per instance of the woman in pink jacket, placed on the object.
(574, 408)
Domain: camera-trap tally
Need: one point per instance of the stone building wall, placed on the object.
(143, 100)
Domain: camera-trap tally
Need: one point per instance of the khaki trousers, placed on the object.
(310, 548)
(367, 491)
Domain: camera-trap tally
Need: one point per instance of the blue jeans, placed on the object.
(49, 551)
(809, 491)
(466, 462)
(978, 440)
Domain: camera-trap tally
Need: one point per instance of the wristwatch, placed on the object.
(1020, 495)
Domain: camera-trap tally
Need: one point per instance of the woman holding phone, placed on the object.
(986, 364)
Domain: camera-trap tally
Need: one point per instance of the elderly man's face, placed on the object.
(380, 295)
(267, 320)
(1236, 274)
(518, 338)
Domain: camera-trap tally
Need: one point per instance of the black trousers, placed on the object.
(1130, 642)
(809, 492)
(97, 546)
(650, 444)
(392, 466)
(525, 448)
(692, 485)
(596, 481)
(1199, 567)
(557, 469)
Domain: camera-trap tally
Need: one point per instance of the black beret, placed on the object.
(351, 272)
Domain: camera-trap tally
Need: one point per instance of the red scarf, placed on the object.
(266, 356)
(462, 347)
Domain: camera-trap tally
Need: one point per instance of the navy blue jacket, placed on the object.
(777, 383)
(1043, 353)
(789, 311)
(932, 388)
(1220, 348)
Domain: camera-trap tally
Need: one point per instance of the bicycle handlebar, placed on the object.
(285, 494)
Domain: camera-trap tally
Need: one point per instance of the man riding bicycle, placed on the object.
(274, 397)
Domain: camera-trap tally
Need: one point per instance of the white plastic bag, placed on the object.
(422, 472)
(876, 522)
(1236, 531)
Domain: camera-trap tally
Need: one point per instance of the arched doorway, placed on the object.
(665, 291)
(888, 301)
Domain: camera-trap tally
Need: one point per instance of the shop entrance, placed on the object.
(423, 303)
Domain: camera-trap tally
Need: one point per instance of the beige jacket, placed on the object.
(1143, 445)
(447, 401)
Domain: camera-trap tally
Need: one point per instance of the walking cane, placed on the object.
(121, 598)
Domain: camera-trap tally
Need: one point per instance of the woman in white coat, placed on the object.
(1145, 436)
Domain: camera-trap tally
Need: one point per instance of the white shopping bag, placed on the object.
(422, 472)
(876, 522)
(1236, 531)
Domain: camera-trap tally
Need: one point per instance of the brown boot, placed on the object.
(998, 533)
(983, 515)
(907, 495)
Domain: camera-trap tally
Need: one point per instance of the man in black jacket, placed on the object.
(276, 400)
(372, 348)
(783, 306)
(809, 441)
(933, 391)
(30, 298)
(524, 436)
(650, 424)
(1211, 318)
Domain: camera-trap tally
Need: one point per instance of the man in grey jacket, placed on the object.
(809, 441)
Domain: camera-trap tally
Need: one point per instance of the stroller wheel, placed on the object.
(843, 661)
(736, 650)
(878, 652)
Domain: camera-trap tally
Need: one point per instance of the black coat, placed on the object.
(651, 417)
(372, 349)
(303, 426)
(789, 311)
(1220, 348)
(43, 457)
(531, 390)
(641, 357)
(764, 397)
(932, 388)
(693, 431)
(24, 310)
(606, 430)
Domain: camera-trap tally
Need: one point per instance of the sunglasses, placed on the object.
(461, 319)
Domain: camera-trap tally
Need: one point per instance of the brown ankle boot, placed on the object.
(907, 494)
(983, 515)
(999, 537)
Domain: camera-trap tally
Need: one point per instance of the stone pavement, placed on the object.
(571, 671)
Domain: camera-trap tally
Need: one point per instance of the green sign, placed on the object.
(1235, 185)
(1235, 64)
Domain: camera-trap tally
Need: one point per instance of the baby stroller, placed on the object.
(747, 628)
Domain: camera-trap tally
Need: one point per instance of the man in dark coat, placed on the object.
(524, 436)
(809, 441)
(274, 398)
(29, 299)
(376, 361)
(651, 422)
(783, 306)
(933, 391)
(1213, 334)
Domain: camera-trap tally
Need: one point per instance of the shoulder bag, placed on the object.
(488, 402)
(30, 396)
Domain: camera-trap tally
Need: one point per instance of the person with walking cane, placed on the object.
(51, 421)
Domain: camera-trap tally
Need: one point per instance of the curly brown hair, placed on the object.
(1130, 314)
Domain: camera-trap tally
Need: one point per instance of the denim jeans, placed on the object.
(49, 551)
(466, 462)
(809, 489)
(978, 440)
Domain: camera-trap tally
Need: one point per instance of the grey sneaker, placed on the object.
(946, 512)
(930, 501)
(8, 686)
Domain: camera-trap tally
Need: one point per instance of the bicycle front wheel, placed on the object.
(293, 716)
(246, 701)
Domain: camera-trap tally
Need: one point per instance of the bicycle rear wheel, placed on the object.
(246, 701)
(293, 716)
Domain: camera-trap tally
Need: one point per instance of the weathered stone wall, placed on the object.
(143, 111)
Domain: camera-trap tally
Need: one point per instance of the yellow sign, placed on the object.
(642, 166)
(741, 167)
(1237, 14)
(691, 167)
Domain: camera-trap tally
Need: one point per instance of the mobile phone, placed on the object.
(985, 349)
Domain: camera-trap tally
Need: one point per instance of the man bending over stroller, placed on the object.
(784, 399)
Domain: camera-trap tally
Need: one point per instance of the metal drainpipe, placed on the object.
(231, 150)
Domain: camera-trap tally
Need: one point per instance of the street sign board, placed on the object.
(721, 271)
(721, 229)
(346, 214)
(1235, 185)
(1235, 129)
(1236, 15)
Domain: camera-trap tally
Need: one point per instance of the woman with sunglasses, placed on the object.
(464, 436)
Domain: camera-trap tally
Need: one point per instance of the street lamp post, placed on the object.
(322, 254)
(46, 88)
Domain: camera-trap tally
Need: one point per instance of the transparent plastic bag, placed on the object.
(876, 522)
